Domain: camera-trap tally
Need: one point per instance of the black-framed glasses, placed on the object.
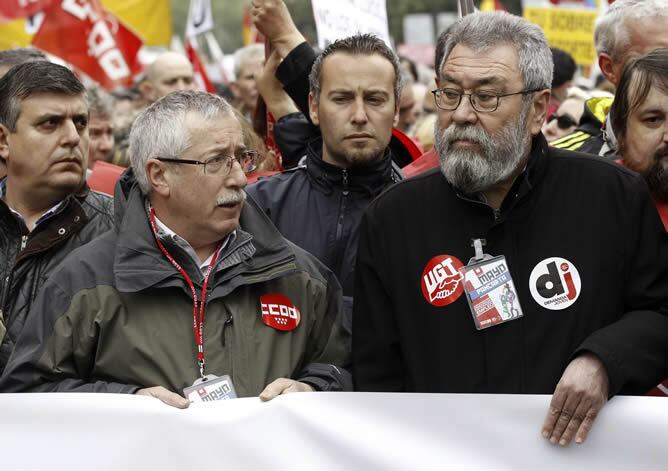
(564, 121)
(221, 165)
(448, 99)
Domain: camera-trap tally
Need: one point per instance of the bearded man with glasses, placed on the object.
(516, 268)
(194, 296)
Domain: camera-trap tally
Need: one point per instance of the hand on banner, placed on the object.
(283, 386)
(273, 20)
(579, 396)
(168, 397)
(278, 102)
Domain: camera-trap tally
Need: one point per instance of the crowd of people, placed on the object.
(525, 251)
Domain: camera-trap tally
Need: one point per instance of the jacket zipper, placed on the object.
(342, 208)
(24, 242)
(341, 218)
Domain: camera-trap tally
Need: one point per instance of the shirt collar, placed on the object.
(164, 232)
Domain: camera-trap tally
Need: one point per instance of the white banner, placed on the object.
(321, 431)
(342, 18)
(200, 18)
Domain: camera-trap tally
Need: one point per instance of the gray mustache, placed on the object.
(232, 197)
(467, 133)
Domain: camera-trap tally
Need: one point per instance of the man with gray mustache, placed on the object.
(516, 268)
(194, 296)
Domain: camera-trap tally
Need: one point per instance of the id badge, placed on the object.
(210, 388)
(490, 292)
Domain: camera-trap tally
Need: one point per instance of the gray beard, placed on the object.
(472, 171)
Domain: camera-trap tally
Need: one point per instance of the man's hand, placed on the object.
(580, 394)
(278, 102)
(168, 397)
(283, 386)
(273, 20)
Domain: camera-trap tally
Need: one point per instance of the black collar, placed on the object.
(372, 178)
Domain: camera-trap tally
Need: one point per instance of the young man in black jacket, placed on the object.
(579, 305)
(319, 205)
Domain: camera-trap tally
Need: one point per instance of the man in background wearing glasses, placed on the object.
(516, 268)
(195, 293)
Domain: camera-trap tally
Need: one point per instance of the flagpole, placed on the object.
(466, 7)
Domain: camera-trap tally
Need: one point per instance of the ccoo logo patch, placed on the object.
(442, 284)
(279, 312)
(555, 283)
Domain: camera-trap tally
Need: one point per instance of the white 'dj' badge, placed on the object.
(555, 283)
(210, 388)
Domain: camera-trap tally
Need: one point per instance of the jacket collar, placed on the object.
(139, 264)
(371, 179)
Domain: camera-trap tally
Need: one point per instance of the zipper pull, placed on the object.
(345, 178)
(24, 242)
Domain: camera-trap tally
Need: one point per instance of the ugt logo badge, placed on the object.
(555, 283)
(442, 283)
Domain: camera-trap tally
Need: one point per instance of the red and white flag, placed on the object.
(82, 33)
(201, 77)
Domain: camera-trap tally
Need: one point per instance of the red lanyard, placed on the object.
(198, 321)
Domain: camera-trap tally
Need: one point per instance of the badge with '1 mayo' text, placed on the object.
(490, 290)
(210, 388)
(279, 312)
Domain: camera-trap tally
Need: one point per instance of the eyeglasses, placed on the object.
(448, 99)
(221, 165)
(564, 121)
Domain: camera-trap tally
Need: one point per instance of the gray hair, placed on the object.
(99, 102)
(30, 78)
(21, 55)
(485, 30)
(245, 54)
(160, 130)
(610, 34)
(358, 44)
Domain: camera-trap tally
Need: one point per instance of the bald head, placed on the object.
(168, 73)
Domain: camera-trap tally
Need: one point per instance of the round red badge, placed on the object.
(279, 312)
(442, 284)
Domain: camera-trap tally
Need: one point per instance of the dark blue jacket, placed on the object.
(319, 207)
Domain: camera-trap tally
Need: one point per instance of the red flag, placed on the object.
(15, 9)
(82, 33)
(201, 77)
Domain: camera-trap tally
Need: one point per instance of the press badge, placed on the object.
(489, 289)
(210, 388)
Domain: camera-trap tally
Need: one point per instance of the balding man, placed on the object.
(170, 72)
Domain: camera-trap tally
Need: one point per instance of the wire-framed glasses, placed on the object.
(221, 165)
(448, 99)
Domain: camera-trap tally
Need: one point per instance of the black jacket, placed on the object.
(23, 271)
(319, 207)
(596, 215)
